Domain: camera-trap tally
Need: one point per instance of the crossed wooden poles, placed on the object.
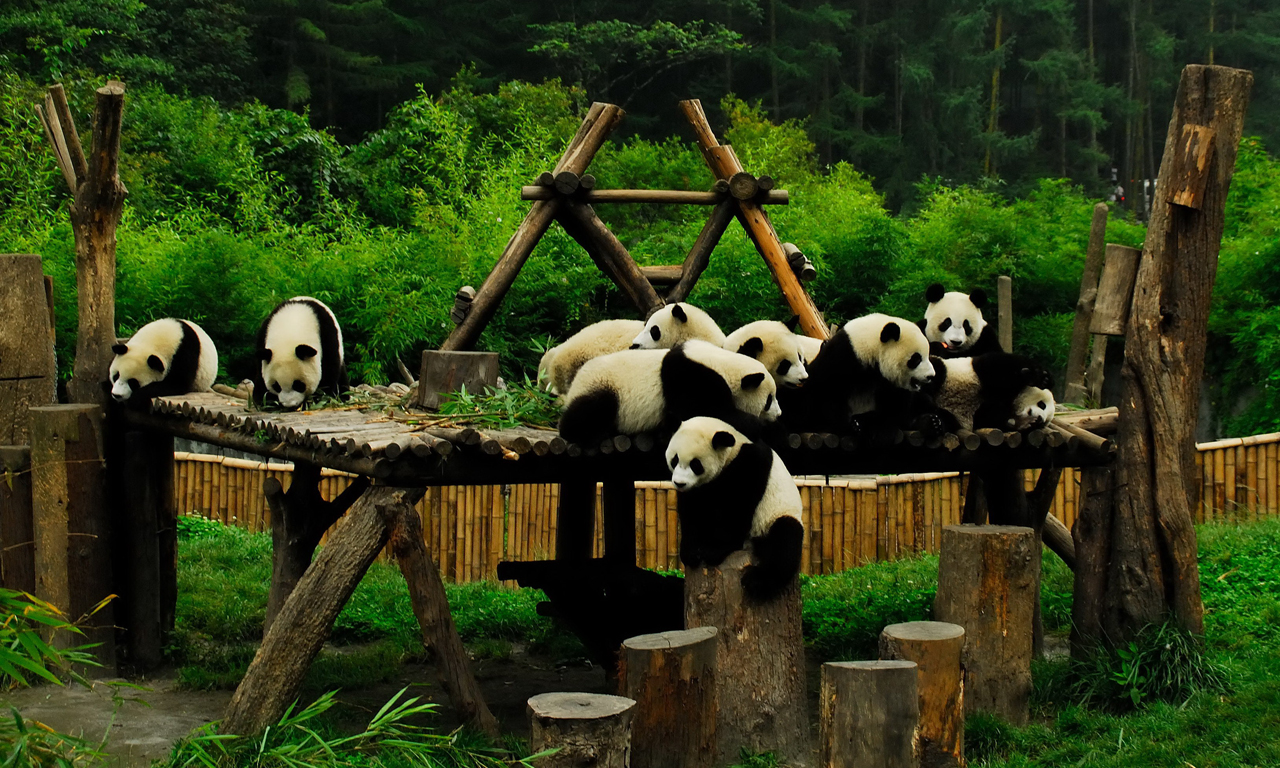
(565, 194)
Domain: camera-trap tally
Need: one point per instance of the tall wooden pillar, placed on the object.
(28, 373)
(618, 499)
(146, 547)
(575, 520)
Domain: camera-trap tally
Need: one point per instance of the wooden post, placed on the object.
(17, 537)
(609, 255)
(448, 371)
(1115, 291)
(147, 549)
(306, 618)
(1075, 391)
(672, 678)
(1092, 538)
(1004, 311)
(700, 254)
(97, 203)
(70, 520)
(600, 121)
(983, 566)
(759, 661)
(299, 519)
(28, 373)
(618, 500)
(589, 730)
(869, 712)
(575, 520)
(1153, 573)
(937, 648)
(431, 607)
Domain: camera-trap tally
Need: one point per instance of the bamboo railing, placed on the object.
(470, 529)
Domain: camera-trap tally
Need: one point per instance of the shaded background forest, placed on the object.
(370, 152)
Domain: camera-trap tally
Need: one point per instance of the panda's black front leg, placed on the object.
(776, 559)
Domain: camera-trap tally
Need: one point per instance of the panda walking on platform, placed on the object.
(299, 350)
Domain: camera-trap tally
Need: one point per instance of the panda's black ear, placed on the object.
(678, 313)
(723, 440)
(305, 351)
(934, 293)
(752, 380)
(978, 297)
(155, 364)
(752, 347)
(890, 332)
(265, 355)
(119, 349)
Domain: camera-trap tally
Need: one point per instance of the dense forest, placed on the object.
(370, 152)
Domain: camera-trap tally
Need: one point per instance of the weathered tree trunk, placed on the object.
(17, 536)
(431, 607)
(306, 618)
(589, 730)
(1152, 573)
(759, 662)
(28, 373)
(869, 713)
(987, 579)
(1074, 390)
(937, 648)
(672, 678)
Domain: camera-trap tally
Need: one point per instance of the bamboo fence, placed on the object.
(469, 529)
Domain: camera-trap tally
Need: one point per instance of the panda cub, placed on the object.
(868, 377)
(561, 363)
(299, 349)
(997, 390)
(954, 322)
(641, 390)
(675, 323)
(733, 493)
(775, 346)
(165, 357)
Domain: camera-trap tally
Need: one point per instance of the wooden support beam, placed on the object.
(17, 535)
(1075, 391)
(651, 196)
(662, 274)
(575, 520)
(275, 676)
(937, 648)
(700, 254)
(672, 678)
(1004, 311)
(869, 712)
(1115, 291)
(147, 550)
(583, 729)
(28, 372)
(582, 223)
(618, 503)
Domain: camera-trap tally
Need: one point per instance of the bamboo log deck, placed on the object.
(405, 447)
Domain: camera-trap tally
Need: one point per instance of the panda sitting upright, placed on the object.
(998, 390)
(733, 492)
(954, 322)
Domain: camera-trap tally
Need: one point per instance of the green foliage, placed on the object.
(513, 406)
(31, 744)
(1161, 663)
(845, 612)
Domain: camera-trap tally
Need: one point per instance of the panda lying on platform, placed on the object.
(954, 321)
(775, 346)
(675, 323)
(646, 389)
(562, 362)
(1004, 391)
(732, 493)
(165, 357)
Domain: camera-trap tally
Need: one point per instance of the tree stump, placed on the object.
(28, 373)
(17, 538)
(869, 711)
(450, 371)
(590, 730)
(70, 520)
(672, 678)
(987, 579)
(759, 661)
(937, 649)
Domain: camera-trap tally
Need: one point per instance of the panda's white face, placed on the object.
(675, 323)
(133, 369)
(895, 346)
(292, 375)
(700, 450)
(954, 319)
(1033, 408)
(775, 346)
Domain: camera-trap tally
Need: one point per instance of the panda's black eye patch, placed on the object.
(768, 402)
(133, 384)
(275, 386)
(942, 326)
(115, 376)
(655, 332)
(696, 466)
(914, 361)
(675, 460)
(299, 386)
(1041, 405)
(783, 367)
(968, 329)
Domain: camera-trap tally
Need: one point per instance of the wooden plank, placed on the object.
(1191, 166)
(28, 372)
(1115, 291)
(652, 196)
(17, 532)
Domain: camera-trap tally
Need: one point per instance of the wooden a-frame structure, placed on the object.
(565, 194)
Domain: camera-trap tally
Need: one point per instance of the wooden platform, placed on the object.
(401, 447)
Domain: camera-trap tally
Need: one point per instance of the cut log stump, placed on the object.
(759, 661)
(937, 648)
(672, 678)
(588, 729)
(869, 711)
(987, 579)
(444, 372)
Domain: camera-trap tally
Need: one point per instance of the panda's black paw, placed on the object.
(931, 425)
(759, 583)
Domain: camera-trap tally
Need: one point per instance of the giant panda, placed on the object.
(809, 347)
(1000, 390)
(954, 321)
(165, 357)
(775, 346)
(645, 389)
(867, 378)
(561, 363)
(733, 492)
(675, 323)
(299, 350)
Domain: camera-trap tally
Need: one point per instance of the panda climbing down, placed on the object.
(735, 493)
(954, 321)
(561, 363)
(299, 349)
(675, 323)
(641, 390)
(998, 390)
(165, 357)
(775, 346)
